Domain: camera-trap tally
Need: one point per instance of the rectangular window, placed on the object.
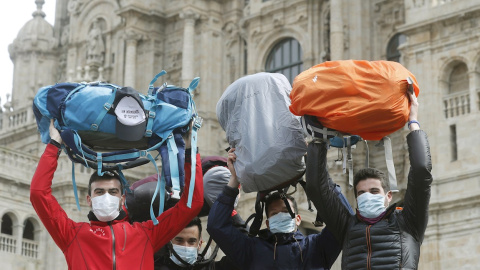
(453, 142)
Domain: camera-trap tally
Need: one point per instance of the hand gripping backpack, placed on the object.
(108, 127)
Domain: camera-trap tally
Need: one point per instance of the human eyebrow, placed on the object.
(99, 190)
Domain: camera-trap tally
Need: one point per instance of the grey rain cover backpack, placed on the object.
(270, 145)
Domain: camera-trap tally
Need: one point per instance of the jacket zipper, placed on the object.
(369, 248)
(275, 247)
(113, 247)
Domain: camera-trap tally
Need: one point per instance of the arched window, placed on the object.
(285, 58)
(8, 242)
(393, 54)
(29, 230)
(29, 245)
(457, 100)
(7, 225)
(458, 81)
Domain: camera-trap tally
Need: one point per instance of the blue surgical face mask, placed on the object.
(188, 254)
(371, 205)
(281, 223)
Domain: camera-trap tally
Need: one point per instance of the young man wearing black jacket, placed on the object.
(379, 235)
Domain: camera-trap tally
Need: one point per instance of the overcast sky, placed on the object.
(14, 17)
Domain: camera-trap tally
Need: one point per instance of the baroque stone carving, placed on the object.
(96, 45)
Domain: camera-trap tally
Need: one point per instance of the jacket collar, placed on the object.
(385, 215)
(94, 220)
(281, 238)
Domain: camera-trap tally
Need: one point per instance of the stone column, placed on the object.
(336, 30)
(188, 46)
(18, 233)
(131, 39)
(473, 81)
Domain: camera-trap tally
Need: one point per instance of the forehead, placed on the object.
(106, 184)
(368, 184)
(189, 233)
(278, 206)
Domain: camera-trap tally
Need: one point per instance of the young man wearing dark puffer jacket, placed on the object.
(379, 235)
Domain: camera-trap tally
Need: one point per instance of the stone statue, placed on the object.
(96, 46)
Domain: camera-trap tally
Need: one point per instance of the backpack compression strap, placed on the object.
(258, 215)
(197, 124)
(392, 177)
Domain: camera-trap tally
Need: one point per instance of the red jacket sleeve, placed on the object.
(48, 209)
(172, 221)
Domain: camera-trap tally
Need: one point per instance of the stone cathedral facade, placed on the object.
(126, 42)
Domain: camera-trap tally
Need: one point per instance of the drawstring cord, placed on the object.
(301, 255)
(299, 247)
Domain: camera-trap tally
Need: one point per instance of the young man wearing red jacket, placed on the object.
(109, 241)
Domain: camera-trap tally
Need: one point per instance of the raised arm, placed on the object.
(233, 242)
(48, 209)
(172, 221)
(417, 196)
(334, 209)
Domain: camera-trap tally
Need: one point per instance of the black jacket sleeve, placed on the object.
(417, 196)
(234, 243)
(334, 209)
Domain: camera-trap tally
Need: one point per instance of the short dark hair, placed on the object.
(366, 173)
(196, 222)
(276, 196)
(108, 175)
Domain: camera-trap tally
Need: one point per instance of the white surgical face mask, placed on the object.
(188, 254)
(371, 205)
(106, 207)
(281, 223)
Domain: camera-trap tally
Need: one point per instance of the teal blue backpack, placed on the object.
(109, 127)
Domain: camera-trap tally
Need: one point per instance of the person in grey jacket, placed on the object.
(379, 235)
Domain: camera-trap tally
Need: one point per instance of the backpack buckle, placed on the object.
(197, 122)
(107, 106)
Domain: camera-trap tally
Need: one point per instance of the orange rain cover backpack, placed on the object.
(358, 97)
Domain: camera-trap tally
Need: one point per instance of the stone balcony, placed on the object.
(456, 104)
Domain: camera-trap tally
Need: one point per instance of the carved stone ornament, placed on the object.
(96, 45)
(189, 15)
(74, 6)
(65, 35)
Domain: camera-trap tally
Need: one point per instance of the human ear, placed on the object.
(298, 220)
(89, 200)
(389, 197)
